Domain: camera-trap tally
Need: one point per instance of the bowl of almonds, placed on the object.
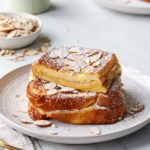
(18, 30)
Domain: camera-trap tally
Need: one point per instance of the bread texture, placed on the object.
(74, 106)
(80, 68)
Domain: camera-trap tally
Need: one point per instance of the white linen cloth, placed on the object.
(16, 138)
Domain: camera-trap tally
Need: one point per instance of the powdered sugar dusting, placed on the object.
(76, 59)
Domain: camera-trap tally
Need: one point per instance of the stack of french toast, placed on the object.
(76, 85)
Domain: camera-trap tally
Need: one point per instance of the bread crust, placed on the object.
(79, 73)
(76, 108)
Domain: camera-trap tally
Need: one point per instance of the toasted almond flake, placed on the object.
(6, 29)
(50, 86)
(28, 27)
(89, 53)
(74, 50)
(18, 59)
(66, 89)
(47, 44)
(97, 63)
(53, 125)
(95, 131)
(7, 51)
(51, 132)
(52, 92)
(3, 34)
(12, 52)
(30, 52)
(11, 34)
(20, 54)
(25, 121)
(9, 57)
(2, 52)
(63, 53)
(21, 98)
(95, 57)
(44, 39)
(54, 54)
(43, 123)
(17, 26)
(42, 49)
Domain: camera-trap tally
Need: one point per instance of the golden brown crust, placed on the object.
(87, 116)
(91, 69)
(77, 108)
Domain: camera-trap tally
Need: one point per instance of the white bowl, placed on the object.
(19, 42)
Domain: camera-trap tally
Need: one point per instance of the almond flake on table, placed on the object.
(29, 52)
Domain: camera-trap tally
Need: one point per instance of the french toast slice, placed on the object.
(80, 68)
(73, 106)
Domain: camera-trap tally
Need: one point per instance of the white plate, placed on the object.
(136, 88)
(134, 7)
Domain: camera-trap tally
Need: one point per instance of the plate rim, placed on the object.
(29, 131)
(129, 9)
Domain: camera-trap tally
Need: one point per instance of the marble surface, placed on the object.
(70, 22)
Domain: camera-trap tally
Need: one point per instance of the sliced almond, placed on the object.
(74, 50)
(21, 98)
(54, 54)
(43, 123)
(66, 89)
(20, 54)
(53, 125)
(50, 86)
(137, 108)
(95, 57)
(51, 132)
(18, 59)
(26, 121)
(10, 57)
(2, 52)
(3, 34)
(42, 49)
(52, 92)
(95, 131)
(30, 52)
(63, 53)
(11, 34)
(97, 63)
